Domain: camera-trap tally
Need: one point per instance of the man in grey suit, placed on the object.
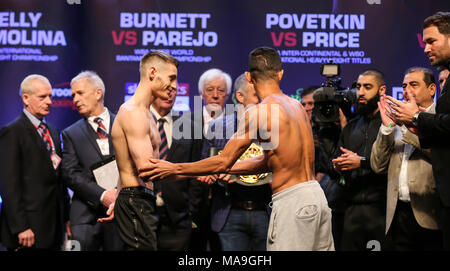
(412, 201)
(86, 143)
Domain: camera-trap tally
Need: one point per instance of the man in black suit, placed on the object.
(433, 129)
(172, 198)
(35, 201)
(86, 143)
(444, 72)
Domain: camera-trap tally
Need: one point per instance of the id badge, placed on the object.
(56, 160)
(103, 144)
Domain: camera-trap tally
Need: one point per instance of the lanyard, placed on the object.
(45, 134)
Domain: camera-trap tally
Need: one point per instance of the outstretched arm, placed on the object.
(222, 163)
(256, 165)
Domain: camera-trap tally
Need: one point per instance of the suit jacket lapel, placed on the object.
(174, 141)
(36, 138)
(32, 131)
(56, 139)
(111, 147)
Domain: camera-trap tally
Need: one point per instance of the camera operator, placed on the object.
(364, 217)
(326, 136)
(307, 100)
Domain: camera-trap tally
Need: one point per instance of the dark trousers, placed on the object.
(98, 236)
(337, 226)
(170, 237)
(203, 238)
(407, 235)
(364, 226)
(445, 220)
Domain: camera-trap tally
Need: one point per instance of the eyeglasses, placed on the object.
(220, 91)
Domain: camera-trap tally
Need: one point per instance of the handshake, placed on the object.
(225, 178)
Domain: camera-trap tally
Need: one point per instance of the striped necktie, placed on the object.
(43, 130)
(163, 148)
(101, 130)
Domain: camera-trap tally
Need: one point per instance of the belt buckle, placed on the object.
(248, 205)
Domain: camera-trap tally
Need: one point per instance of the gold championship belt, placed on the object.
(253, 151)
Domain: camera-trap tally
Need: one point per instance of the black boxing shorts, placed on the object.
(134, 212)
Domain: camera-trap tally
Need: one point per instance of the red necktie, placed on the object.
(101, 130)
(43, 129)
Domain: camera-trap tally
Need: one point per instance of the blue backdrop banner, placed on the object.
(58, 39)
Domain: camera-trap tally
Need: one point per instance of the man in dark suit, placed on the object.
(86, 143)
(433, 129)
(35, 201)
(214, 88)
(444, 72)
(172, 198)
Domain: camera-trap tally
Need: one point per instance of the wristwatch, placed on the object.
(415, 119)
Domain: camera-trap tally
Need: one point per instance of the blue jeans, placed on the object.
(245, 231)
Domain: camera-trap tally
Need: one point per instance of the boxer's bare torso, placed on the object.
(136, 140)
(292, 161)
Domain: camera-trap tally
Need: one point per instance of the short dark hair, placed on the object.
(308, 90)
(156, 54)
(264, 63)
(379, 76)
(441, 20)
(428, 76)
(442, 68)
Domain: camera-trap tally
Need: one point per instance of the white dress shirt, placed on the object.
(403, 189)
(207, 119)
(168, 125)
(106, 119)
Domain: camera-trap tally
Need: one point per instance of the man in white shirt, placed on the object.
(87, 143)
(412, 202)
(214, 88)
